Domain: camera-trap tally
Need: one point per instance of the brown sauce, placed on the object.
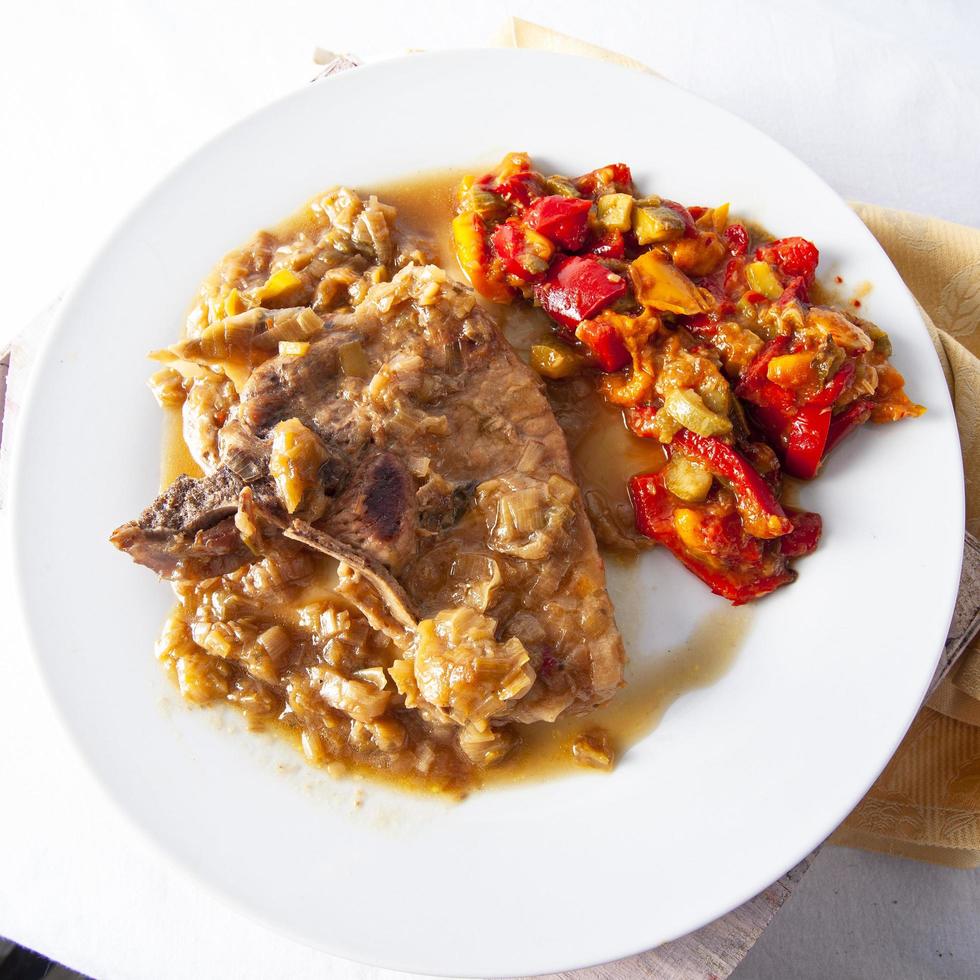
(176, 459)
(654, 681)
(425, 204)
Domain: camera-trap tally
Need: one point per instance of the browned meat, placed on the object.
(210, 551)
(189, 505)
(377, 513)
(395, 616)
(242, 452)
(188, 529)
(291, 387)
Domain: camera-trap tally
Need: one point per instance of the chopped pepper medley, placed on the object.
(704, 334)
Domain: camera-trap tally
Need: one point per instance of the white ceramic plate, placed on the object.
(740, 780)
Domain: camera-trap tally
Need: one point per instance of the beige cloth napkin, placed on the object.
(926, 804)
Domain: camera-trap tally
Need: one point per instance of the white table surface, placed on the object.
(98, 100)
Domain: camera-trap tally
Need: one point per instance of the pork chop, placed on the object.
(441, 420)
(407, 440)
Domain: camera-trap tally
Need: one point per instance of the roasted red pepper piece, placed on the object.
(702, 326)
(738, 593)
(734, 274)
(791, 256)
(562, 220)
(518, 256)
(724, 537)
(613, 177)
(576, 288)
(732, 566)
(737, 239)
(801, 434)
(805, 438)
(834, 388)
(690, 228)
(610, 245)
(520, 188)
(757, 370)
(856, 414)
(772, 422)
(813, 432)
(796, 288)
(755, 385)
(508, 242)
(762, 516)
(805, 441)
(805, 536)
(605, 342)
(726, 281)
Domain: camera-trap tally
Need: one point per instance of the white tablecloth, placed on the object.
(98, 101)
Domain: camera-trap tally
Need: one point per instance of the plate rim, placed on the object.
(17, 492)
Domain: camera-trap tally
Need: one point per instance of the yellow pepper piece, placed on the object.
(659, 284)
(277, 285)
(539, 251)
(792, 370)
(714, 219)
(471, 254)
(698, 256)
(294, 348)
(762, 279)
(657, 224)
(468, 236)
(687, 524)
(513, 163)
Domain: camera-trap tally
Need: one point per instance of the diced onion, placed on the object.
(275, 641)
(686, 479)
(554, 360)
(593, 749)
(615, 211)
(353, 360)
(687, 408)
